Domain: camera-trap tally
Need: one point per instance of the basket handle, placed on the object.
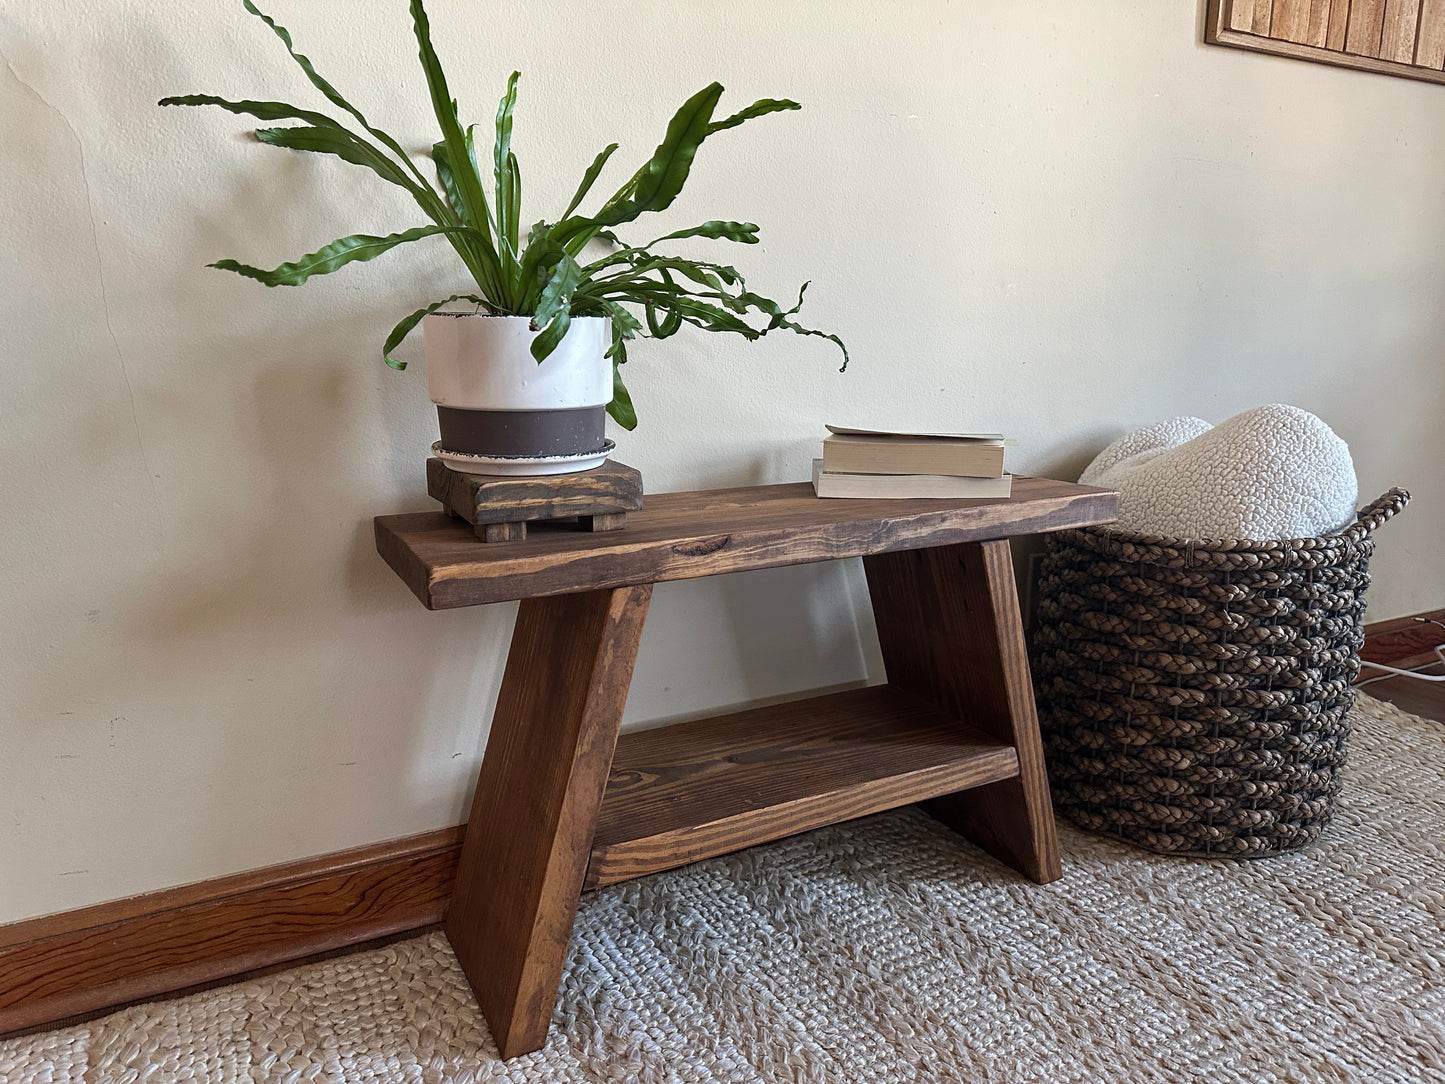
(1369, 518)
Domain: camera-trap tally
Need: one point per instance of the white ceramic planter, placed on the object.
(501, 411)
(479, 362)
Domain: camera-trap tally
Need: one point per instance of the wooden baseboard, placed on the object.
(79, 962)
(1403, 642)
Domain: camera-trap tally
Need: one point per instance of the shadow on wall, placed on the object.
(725, 643)
(729, 642)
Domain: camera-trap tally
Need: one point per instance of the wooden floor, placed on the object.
(1425, 698)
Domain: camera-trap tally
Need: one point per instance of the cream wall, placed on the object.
(1060, 220)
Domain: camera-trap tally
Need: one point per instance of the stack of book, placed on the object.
(874, 463)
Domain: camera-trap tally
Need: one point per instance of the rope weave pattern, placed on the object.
(1194, 694)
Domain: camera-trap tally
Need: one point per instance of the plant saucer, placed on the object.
(523, 465)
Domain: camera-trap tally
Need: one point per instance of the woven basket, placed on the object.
(1194, 694)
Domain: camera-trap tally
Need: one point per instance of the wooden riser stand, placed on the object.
(564, 804)
(499, 508)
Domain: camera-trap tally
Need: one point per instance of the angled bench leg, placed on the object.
(535, 810)
(949, 626)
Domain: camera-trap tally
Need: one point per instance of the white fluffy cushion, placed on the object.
(1272, 472)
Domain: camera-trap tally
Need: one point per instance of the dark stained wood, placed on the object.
(686, 793)
(691, 791)
(684, 535)
(535, 809)
(614, 521)
(1404, 642)
(949, 627)
(480, 498)
(147, 946)
(501, 532)
(1388, 37)
(517, 532)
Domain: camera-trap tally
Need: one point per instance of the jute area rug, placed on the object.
(890, 950)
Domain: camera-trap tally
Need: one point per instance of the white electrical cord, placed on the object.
(1394, 671)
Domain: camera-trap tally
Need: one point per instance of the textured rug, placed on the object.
(888, 949)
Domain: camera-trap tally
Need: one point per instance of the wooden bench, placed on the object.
(563, 804)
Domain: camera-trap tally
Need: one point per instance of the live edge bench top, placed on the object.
(679, 536)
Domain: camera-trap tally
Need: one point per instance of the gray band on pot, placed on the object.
(523, 432)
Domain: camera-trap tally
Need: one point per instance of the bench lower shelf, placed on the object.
(695, 790)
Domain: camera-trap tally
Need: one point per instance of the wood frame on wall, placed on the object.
(1389, 37)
